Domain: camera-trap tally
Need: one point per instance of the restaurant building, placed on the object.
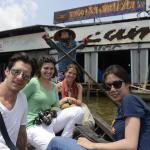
(125, 42)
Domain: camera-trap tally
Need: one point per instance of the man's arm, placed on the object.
(22, 138)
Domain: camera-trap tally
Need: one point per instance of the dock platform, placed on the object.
(91, 89)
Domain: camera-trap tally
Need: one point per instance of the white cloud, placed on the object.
(14, 13)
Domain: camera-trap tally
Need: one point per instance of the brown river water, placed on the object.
(103, 106)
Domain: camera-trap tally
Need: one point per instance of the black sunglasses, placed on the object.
(17, 72)
(116, 84)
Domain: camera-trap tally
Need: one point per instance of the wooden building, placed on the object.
(124, 42)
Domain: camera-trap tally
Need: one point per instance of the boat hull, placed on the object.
(144, 95)
(100, 133)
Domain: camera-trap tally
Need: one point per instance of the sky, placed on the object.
(22, 13)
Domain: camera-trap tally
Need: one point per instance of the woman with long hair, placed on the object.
(71, 93)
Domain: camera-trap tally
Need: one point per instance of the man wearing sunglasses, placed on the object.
(13, 103)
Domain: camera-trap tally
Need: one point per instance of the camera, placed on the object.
(45, 117)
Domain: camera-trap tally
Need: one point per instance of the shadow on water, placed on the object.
(103, 106)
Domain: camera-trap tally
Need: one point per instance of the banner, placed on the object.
(137, 31)
(147, 5)
(99, 10)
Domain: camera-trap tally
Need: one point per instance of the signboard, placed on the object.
(147, 5)
(105, 37)
(116, 33)
(99, 10)
(1, 45)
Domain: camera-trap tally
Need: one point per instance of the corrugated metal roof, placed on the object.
(26, 30)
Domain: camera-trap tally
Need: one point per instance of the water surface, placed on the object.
(103, 106)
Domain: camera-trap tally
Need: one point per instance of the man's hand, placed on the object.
(22, 138)
(44, 35)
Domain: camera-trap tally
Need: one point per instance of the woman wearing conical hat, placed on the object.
(65, 39)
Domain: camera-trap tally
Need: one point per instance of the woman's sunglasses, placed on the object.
(116, 84)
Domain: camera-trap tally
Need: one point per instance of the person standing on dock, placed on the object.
(131, 129)
(65, 39)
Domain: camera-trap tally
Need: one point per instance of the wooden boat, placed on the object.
(100, 133)
(102, 128)
(145, 95)
(142, 92)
